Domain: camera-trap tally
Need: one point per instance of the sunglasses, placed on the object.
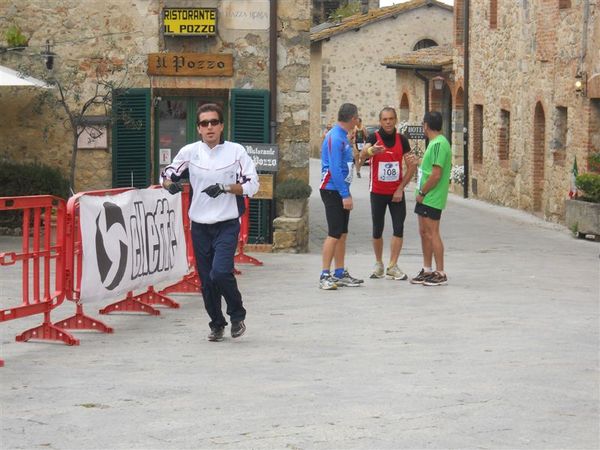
(206, 123)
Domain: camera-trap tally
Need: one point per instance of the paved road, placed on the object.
(505, 356)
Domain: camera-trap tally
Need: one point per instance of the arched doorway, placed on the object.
(441, 100)
(539, 150)
(404, 109)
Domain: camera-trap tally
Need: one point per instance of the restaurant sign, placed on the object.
(191, 64)
(189, 21)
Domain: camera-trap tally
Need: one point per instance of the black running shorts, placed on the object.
(337, 217)
(427, 211)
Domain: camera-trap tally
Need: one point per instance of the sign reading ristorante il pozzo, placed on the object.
(189, 21)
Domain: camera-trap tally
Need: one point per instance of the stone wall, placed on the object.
(352, 70)
(517, 67)
(116, 33)
(85, 35)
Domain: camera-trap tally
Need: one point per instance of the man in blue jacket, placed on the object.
(336, 175)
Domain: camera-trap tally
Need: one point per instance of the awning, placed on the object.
(10, 77)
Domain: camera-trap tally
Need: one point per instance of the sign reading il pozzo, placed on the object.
(189, 21)
(190, 64)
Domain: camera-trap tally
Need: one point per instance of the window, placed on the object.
(558, 146)
(493, 14)
(504, 135)
(424, 43)
(478, 134)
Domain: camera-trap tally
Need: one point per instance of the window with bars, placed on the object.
(478, 134)
(504, 135)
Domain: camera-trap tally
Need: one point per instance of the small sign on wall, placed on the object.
(237, 15)
(164, 156)
(189, 21)
(265, 156)
(93, 137)
(190, 64)
(265, 191)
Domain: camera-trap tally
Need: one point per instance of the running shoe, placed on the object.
(327, 283)
(216, 334)
(348, 280)
(378, 271)
(237, 329)
(420, 277)
(394, 273)
(436, 279)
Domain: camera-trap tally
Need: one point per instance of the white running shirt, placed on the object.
(226, 163)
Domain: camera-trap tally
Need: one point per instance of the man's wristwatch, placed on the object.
(421, 193)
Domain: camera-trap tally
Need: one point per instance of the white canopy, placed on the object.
(10, 77)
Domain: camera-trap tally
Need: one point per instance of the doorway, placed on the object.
(175, 125)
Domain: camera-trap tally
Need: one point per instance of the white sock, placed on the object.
(427, 269)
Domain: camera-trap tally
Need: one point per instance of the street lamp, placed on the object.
(438, 83)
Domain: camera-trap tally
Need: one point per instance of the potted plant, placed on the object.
(583, 212)
(14, 38)
(294, 193)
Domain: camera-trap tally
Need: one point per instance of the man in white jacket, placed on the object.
(220, 173)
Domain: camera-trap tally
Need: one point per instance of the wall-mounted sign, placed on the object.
(265, 156)
(164, 156)
(189, 21)
(415, 132)
(265, 191)
(191, 64)
(93, 136)
(237, 15)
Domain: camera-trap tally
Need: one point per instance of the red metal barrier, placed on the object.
(190, 283)
(241, 257)
(131, 303)
(43, 251)
(73, 266)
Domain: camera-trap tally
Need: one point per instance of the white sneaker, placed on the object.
(327, 283)
(378, 271)
(394, 273)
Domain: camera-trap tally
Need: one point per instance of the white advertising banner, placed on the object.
(130, 241)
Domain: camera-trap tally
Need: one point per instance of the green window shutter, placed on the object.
(131, 138)
(249, 116)
(250, 124)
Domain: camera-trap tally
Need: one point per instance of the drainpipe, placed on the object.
(273, 70)
(466, 98)
(586, 19)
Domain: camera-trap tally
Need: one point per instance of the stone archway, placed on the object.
(404, 109)
(539, 151)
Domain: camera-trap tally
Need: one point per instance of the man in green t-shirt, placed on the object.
(433, 182)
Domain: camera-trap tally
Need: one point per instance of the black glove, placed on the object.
(184, 175)
(215, 190)
(174, 188)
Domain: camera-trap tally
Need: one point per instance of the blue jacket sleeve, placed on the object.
(336, 162)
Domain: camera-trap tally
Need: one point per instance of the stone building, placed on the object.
(220, 51)
(346, 58)
(533, 98)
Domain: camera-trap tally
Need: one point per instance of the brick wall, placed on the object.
(516, 66)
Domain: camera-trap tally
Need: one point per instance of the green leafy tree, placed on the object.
(77, 94)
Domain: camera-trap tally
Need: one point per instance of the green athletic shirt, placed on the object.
(438, 153)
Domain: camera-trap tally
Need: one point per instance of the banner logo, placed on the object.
(110, 227)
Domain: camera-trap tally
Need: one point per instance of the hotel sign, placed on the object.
(189, 21)
(191, 64)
